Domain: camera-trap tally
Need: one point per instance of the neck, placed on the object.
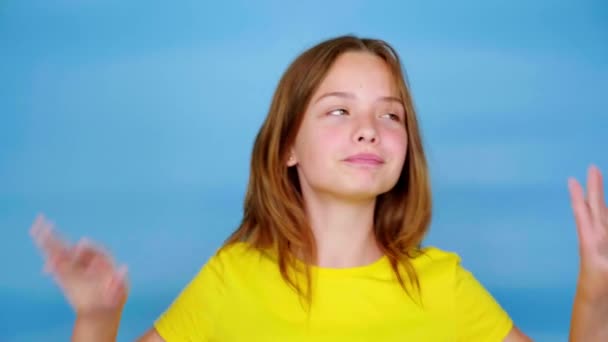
(343, 231)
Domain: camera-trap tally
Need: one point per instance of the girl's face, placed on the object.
(352, 142)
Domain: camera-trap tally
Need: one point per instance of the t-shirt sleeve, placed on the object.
(192, 314)
(479, 316)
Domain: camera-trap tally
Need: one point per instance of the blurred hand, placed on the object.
(86, 274)
(591, 215)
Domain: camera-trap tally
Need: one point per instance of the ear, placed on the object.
(292, 160)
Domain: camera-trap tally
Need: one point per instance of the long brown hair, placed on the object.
(274, 214)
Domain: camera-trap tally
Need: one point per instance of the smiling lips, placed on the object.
(365, 159)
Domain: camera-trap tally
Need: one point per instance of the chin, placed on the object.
(361, 192)
(367, 185)
(351, 188)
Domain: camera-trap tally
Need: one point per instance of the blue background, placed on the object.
(132, 123)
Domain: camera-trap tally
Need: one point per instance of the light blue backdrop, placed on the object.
(132, 122)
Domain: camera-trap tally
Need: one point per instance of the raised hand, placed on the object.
(591, 215)
(86, 274)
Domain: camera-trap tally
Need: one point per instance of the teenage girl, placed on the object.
(329, 247)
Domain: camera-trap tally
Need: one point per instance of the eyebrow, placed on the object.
(347, 95)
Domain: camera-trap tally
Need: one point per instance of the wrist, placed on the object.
(98, 313)
(98, 326)
(591, 290)
(105, 317)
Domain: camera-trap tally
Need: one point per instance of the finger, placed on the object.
(38, 230)
(595, 193)
(117, 275)
(85, 252)
(581, 210)
(36, 225)
(122, 272)
(46, 239)
(117, 287)
(99, 265)
(71, 261)
(101, 256)
(52, 263)
(58, 264)
(120, 276)
(114, 294)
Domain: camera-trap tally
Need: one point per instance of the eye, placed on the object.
(393, 117)
(338, 112)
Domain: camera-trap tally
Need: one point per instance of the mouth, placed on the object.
(365, 159)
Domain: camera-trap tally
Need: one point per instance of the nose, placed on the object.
(366, 132)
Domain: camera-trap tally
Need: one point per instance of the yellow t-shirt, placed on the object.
(239, 295)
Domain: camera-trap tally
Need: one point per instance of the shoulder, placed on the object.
(477, 314)
(447, 265)
(437, 253)
(212, 276)
(438, 272)
(237, 259)
(435, 260)
(236, 253)
(232, 250)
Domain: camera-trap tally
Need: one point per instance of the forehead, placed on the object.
(360, 71)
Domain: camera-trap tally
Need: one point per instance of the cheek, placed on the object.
(329, 137)
(314, 145)
(323, 141)
(395, 141)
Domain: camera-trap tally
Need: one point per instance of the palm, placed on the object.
(87, 276)
(591, 215)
